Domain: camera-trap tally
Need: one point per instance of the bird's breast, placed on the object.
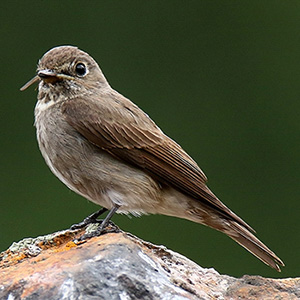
(89, 170)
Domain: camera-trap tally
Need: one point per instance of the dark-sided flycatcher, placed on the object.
(105, 148)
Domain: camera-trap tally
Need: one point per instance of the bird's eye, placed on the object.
(80, 69)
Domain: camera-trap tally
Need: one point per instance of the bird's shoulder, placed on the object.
(112, 114)
(117, 125)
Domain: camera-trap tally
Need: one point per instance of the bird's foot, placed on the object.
(96, 229)
(91, 219)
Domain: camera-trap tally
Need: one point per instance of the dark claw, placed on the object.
(110, 227)
(90, 219)
(103, 224)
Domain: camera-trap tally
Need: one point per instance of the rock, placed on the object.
(118, 265)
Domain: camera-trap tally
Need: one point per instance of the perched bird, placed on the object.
(105, 148)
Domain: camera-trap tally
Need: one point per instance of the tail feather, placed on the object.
(250, 242)
(236, 230)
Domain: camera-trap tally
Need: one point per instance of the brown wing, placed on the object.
(119, 127)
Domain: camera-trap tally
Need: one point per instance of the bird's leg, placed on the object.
(103, 224)
(90, 219)
(107, 218)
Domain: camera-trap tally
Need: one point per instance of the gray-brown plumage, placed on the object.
(105, 148)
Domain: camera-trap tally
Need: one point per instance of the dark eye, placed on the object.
(80, 69)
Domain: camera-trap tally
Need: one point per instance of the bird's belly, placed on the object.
(94, 173)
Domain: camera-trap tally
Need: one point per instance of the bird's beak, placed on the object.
(29, 83)
(47, 76)
(50, 76)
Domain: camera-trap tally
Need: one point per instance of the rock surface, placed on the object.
(117, 265)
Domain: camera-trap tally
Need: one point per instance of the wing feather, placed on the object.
(126, 132)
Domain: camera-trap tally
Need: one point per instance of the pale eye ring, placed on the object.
(81, 69)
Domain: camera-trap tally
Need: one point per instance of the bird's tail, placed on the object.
(250, 242)
(236, 229)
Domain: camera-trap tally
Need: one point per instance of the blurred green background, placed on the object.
(219, 77)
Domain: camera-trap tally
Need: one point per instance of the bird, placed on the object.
(105, 148)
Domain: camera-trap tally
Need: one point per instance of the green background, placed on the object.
(219, 77)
